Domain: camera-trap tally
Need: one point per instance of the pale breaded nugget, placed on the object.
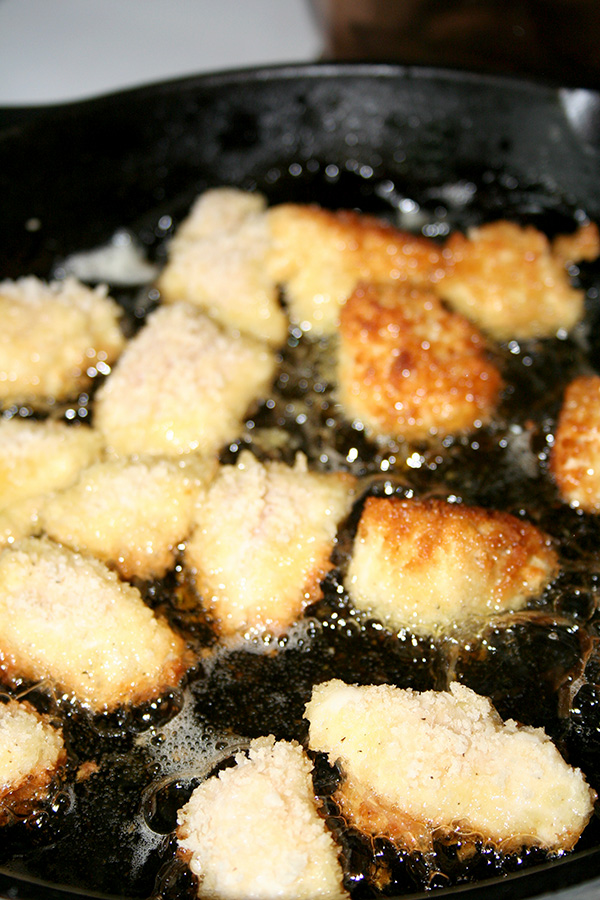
(182, 384)
(263, 541)
(254, 830)
(319, 257)
(414, 763)
(31, 753)
(409, 368)
(430, 566)
(130, 513)
(506, 279)
(217, 260)
(35, 459)
(52, 335)
(68, 619)
(575, 458)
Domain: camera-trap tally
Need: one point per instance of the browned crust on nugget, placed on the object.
(320, 256)
(408, 368)
(575, 458)
(32, 753)
(506, 279)
(430, 566)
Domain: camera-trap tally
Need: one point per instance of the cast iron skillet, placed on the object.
(466, 148)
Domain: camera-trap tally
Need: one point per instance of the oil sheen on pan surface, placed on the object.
(432, 153)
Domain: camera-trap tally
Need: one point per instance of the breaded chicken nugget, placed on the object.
(319, 257)
(31, 753)
(35, 459)
(506, 279)
(68, 619)
(409, 368)
(263, 541)
(182, 384)
(582, 245)
(430, 566)
(130, 513)
(254, 830)
(217, 261)
(415, 763)
(575, 458)
(52, 336)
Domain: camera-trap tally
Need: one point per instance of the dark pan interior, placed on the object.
(465, 148)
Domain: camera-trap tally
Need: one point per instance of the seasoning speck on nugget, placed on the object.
(409, 368)
(182, 384)
(31, 753)
(52, 336)
(263, 541)
(575, 458)
(68, 619)
(431, 566)
(443, 761)
(254, 830)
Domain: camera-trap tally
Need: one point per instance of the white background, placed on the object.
(53, 51)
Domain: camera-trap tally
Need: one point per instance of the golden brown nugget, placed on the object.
(408, 368)
(68, 620)
(53, 336)
(37, 458)
(263, 541)
(575, 457)
(32, 752)
(217, 261)
(319, 257)
(506, 279)
(254, 830)
(431, 566)
(419, 763)
(182, 385)
(130, 513)
(581, 246)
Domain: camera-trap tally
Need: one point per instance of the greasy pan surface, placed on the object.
(466, 149)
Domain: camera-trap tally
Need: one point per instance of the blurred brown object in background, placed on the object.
(557, 40)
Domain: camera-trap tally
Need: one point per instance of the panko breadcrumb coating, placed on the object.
(36, 458)
(217, 260)
(419, 763)
(263, 541)
(31, 753)
(409, 368)
(254, 830)
(508, 281)
(182, 384)
(67, 618)
(52, 336)
(130, 513)
(319, 257)
(431, 566)
(575, 458)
